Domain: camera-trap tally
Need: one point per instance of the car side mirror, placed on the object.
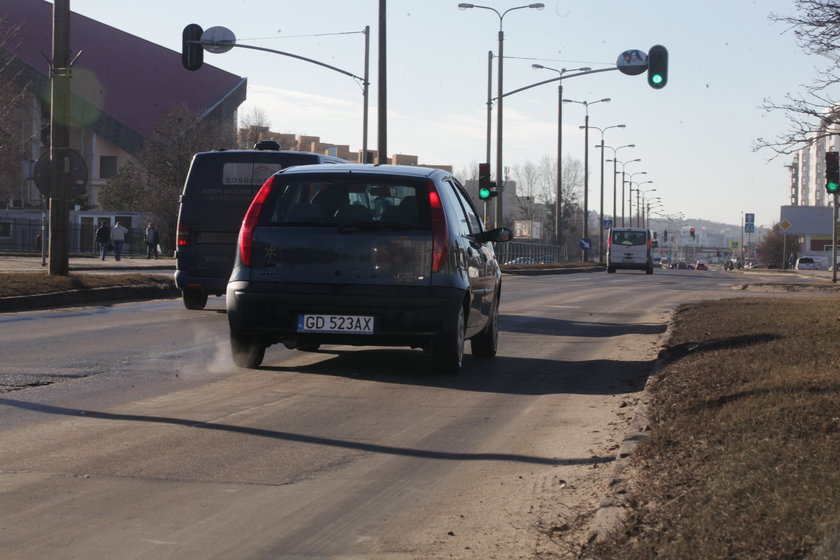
(499, 235)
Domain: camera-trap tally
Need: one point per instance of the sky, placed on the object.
(695, 137)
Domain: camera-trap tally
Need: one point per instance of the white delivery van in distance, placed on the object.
(630, 248)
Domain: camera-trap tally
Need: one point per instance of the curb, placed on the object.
(88, 296)
(612, 509)
(541, 271)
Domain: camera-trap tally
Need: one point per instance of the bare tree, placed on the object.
(812, 114)
(162, 168)
(253, 127)
(14, 88)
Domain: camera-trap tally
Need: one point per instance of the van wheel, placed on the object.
(194, 299)
(247, 352)
(610, 270)
(649, 270)
(486, 343)
(448, 349)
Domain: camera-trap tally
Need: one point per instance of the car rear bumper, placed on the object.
(207, 284)
(403, 315)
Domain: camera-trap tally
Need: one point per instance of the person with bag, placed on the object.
(103, 238)
(152, 240)
(118, 238)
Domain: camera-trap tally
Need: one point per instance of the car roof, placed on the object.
(223, 153)
(368, 168)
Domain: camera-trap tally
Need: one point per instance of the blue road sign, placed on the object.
(585, 244)
(607, 223)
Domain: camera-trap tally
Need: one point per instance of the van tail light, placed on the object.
(252, 216)
(440, 245)
(182, 236)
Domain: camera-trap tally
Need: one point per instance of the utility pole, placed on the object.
(382, 132)
(59, 140)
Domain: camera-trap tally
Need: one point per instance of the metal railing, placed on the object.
(25, 235)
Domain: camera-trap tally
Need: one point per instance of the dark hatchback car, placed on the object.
(365, 255)
(219, 188)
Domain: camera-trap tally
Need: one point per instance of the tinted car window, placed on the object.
(629, 237)
(347, 199)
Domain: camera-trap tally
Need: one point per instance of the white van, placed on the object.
(630, 248)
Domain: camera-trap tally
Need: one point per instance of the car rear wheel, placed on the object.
(194, 299)
(486, 343)
(247, 352)
(448, 349)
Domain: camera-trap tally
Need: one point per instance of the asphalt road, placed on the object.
(154, 445)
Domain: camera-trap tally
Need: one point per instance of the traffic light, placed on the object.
(691, 233)
(192, 53)
(657, 67)
(665, 235)
(832, 172)
(486, 188)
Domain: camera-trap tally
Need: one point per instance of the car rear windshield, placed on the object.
(629, 237)
(355, 199)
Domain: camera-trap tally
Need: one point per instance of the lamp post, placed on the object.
(615, 179)
(640, 195)
(645, 202)
(586, 127)
(630, 195)
(601, 215)
(501, 57)
(558, 204)
(623, 165)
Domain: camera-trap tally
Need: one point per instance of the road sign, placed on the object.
(77, 168)
(786, 225)
(632, 62)
(734, 245)
(585, 244)
(749, 218)
(608, 223)
(749, 227)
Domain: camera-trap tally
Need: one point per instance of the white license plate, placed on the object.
(352, 324)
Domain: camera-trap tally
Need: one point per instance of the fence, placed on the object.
(529, 253)
(25, 235)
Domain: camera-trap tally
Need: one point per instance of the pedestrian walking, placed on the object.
(118, 238)
(103, 238)
(152, 240)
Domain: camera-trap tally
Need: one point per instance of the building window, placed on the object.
(107, 166)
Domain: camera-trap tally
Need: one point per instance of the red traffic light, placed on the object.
(691, 232)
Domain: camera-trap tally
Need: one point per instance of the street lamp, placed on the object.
(586, 127)
(499, 169)
(558, 203)
(623, 164)
(630, 195)
(640, 194)
(601, 215)
(640, 210)
(615, 175)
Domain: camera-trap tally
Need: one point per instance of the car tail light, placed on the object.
(182, 236)
(440, 244)
(252, 216)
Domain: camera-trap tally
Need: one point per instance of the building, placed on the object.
(121, 87)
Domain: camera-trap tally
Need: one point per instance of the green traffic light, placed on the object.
(832, 187)
(656, 79)
(484, 193)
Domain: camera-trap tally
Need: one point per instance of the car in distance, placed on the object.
(629, 248)
(219, 187)
(364, 255)
(805, 263)
(701, 265)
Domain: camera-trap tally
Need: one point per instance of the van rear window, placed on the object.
(357, 200)
(629, 238)
(230, 178)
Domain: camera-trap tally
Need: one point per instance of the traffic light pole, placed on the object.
(834, 243)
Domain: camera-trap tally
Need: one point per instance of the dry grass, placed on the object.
(31, 283)
(743, 457)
